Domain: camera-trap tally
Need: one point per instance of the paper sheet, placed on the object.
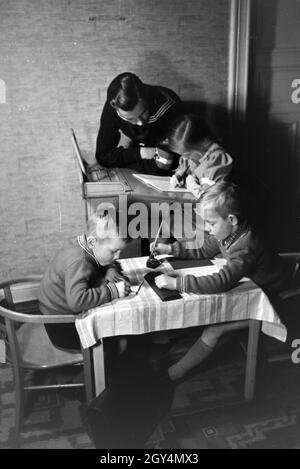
(161, 183)
(198, 271)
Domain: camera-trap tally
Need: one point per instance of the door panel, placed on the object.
(273, 119)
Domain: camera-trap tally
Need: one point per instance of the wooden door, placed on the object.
(273, 116)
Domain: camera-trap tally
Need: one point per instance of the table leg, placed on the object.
(99, 368)
(252, 352)
(88, 376)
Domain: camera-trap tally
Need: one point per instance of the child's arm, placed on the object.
(114, 272)
(209, 249)
(215, 167)
(178, 178)
(227, 278)
(194, 187)
(80, 296)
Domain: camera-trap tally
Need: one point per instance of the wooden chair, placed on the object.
(28, 345)
(253, 345)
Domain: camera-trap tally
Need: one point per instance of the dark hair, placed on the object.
(125, 91)
(187, 132)
(226, 199)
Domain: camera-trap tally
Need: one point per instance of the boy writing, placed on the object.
(228, 233)
(83, 275)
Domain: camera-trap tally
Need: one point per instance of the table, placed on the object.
(145, 312)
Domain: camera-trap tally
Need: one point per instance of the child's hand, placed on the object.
(174, 181)
(112, 275)
(193, 186)
(191, 182)
(161, 248)
(164, 281)
(147, 153)
(123, 288)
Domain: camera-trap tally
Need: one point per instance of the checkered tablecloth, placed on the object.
(145, 312)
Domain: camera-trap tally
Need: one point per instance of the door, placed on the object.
(273, 116)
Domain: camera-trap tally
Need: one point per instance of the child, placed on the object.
(203, 161)
(83, 275)
(228, 233)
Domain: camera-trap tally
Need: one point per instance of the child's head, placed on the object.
(221, 209)
(102, 235)
(187, 133)
(126, 94)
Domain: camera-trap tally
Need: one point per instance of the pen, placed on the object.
(139, 287)
(154, 244)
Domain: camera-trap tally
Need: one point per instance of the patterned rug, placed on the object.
(208, 411)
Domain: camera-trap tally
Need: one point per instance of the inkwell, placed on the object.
(152, 262)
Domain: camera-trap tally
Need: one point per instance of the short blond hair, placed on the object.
(102, 223)
(225, 198)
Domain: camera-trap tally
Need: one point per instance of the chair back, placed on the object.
(20, 305)
(29, 347)
(18, 300)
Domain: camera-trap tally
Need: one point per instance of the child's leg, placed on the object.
(202, 348)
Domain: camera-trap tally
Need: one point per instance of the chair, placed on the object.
(253, 347)
(28, 345)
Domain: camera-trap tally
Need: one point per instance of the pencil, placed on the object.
(140, 286)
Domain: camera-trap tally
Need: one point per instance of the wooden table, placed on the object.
(145, 312)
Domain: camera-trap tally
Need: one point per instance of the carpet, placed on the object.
(208, 411)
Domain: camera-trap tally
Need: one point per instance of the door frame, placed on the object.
(238, 71)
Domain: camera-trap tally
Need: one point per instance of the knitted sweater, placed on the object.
(74, 281)
(207, 167)
(164, 105)
(246, 256)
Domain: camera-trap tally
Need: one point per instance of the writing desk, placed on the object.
(137, 192)
(145, 312)
(142, 193)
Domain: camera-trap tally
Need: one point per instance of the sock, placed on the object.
(197, 353)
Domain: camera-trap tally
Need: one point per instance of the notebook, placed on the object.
(163, 293)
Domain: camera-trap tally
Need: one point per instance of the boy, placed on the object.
(228, 233)
(83, 275)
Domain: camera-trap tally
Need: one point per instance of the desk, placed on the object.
(144, 194)
(145, 313)
(140, 192)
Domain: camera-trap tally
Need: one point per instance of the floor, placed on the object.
(205, 411)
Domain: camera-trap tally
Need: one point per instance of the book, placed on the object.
(161, 183)
(178, 263)
(163, 293)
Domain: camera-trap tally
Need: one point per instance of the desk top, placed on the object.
(145, 312)
(139, 190)
(143, 192)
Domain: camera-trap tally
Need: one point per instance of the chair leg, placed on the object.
(252, 352)
(20, 398)
(87, 369)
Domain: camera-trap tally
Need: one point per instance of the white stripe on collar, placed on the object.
(163, 108)
(81, 239)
